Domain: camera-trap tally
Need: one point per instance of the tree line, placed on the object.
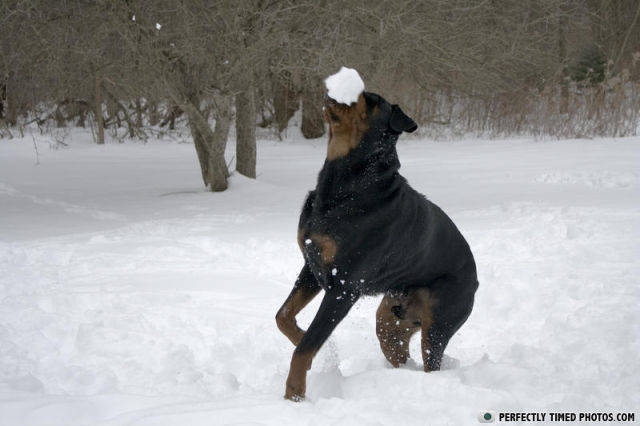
(498, 67)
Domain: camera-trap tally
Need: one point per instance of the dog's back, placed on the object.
(392, 241)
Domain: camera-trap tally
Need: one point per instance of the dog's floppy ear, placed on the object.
(400, 122)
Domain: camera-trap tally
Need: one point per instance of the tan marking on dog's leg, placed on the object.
(327, 245)
(286, 316)
(297, 379)
(426, 345)
(426, 320)
(393, 333)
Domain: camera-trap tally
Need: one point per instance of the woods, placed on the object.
(555, 68)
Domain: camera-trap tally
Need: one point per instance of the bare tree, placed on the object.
(458, 65)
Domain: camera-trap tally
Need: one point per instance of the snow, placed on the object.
(129, 295)
(345, 86)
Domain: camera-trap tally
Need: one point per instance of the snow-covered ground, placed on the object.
(129, 295)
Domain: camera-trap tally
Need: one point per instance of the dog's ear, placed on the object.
(400, 122)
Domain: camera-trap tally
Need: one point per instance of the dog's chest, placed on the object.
(348, 244)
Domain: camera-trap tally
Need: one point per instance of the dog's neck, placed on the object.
(366, 174)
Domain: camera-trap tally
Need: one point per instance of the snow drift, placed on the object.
(129, 295)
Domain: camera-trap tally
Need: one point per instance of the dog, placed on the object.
(364, 231)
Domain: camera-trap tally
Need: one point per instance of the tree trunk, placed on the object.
(222, 114)
(312, 122)
(201, 150)
(246, 132)
(152, 111)
(98, 111)
(210, 145)
(60, 121)
(3, 99)
(12, 110)
(213, 168)
(285, 99)
(562, 53)
(80, 111)
(115, 107)
(139, 120)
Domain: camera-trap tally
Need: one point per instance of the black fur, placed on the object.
(389, 237)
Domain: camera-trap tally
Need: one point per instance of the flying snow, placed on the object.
(345, 86)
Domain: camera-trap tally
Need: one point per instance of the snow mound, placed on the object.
(345, 86)
(164, 316)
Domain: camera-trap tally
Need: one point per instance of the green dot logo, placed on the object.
(486, 417)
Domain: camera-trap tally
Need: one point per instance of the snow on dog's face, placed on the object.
(345, 86)
(354, 114)
(370, 115)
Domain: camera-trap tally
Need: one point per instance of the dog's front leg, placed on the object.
(304, 290)
(333, 309)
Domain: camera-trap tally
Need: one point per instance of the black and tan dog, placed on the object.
(364, 231)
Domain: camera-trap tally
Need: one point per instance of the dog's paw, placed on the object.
(295, 395)
(294, 398)
(296, 388)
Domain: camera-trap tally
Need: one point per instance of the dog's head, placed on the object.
(369, 124)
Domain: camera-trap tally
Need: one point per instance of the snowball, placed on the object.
(345, 86)
(158, 26)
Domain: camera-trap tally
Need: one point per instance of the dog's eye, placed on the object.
(333, 116)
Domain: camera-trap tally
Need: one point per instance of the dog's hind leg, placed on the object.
(333, 309)
(394, 329)
(453, 302)
(304, 290)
